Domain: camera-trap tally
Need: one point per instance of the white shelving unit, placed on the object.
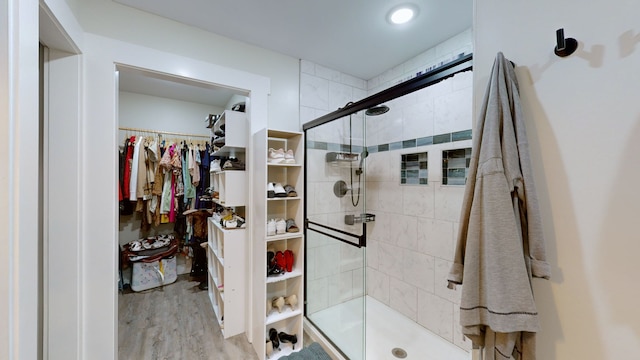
(264, 287)
(227, 272)
(235, 132)
(228, 184)
(227, 248)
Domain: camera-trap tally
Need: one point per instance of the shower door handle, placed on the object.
(359, 241)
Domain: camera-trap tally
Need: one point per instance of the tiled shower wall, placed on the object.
(410, 245)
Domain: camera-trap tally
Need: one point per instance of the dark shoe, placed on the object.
(273, 336)
(286, 338)
(233, 164)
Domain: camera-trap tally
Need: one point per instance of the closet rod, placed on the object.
(163, 132)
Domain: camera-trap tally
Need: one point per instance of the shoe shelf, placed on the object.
(234, 125)
(268, 168)
(231, 187)
(226, 267)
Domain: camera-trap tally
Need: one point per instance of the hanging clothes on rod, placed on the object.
(161, 173)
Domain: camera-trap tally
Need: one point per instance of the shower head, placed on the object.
(377, 110)
(363, 156)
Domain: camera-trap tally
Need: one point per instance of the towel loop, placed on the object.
(566, 46)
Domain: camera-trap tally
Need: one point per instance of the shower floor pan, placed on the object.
(387, 330)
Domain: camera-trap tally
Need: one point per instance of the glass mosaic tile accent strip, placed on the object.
(414, 169)
(455, 166)
(404, 144)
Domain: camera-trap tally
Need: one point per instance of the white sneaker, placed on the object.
(276, 156)
(289, 158)
(271, 227)
(271, 191)
(279, 191)
(215, 165)
(281, 226)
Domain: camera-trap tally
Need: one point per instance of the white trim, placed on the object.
(19, 180)
(99, 180)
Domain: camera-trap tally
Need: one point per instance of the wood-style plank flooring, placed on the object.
(174, 322)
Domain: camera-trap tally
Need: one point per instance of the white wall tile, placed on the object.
(390, 196)
(327, 260)
(390, 260)
(417, 269)
(435, 238)
(436, 314)
(378, 286)
(351, 258)
(403, 298)
(452, 112)
(314, 92)
(339, 95)
(418, 200)
(307, 67)
(325, 201)
(462, 80)
(318, 295)
(353, 81)
(449, 202)
(372, 251)
(441, 289)
(326, 73)
(406, 231)
(418, 121)
(358, 282)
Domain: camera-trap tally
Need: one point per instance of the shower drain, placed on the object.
(399, 353)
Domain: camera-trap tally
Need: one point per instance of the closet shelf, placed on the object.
(285, 276)
(286, 313)
(284, 236)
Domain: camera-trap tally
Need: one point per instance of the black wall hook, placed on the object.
(566, 46)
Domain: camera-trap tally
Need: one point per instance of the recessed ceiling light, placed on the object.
(402, 14)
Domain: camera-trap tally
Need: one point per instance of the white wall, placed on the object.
(156, 113)
(583, 123)
(113, 20)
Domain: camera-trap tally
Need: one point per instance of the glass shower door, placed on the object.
(335, 232)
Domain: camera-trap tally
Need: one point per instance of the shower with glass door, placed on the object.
(358, 169)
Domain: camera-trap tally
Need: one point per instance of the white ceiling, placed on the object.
(351, 36)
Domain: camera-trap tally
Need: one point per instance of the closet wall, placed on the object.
(156, 113)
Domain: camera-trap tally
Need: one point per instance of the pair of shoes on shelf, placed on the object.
(282, 337)
(279, 191)
(280, 156)
(284, 260)
(236, 222)
(233, 164)
(280, 301)
(276, 227)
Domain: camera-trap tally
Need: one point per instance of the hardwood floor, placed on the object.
(174, 322)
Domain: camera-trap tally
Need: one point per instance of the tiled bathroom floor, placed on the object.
(386, 329)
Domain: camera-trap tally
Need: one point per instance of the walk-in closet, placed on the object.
(168, 197)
